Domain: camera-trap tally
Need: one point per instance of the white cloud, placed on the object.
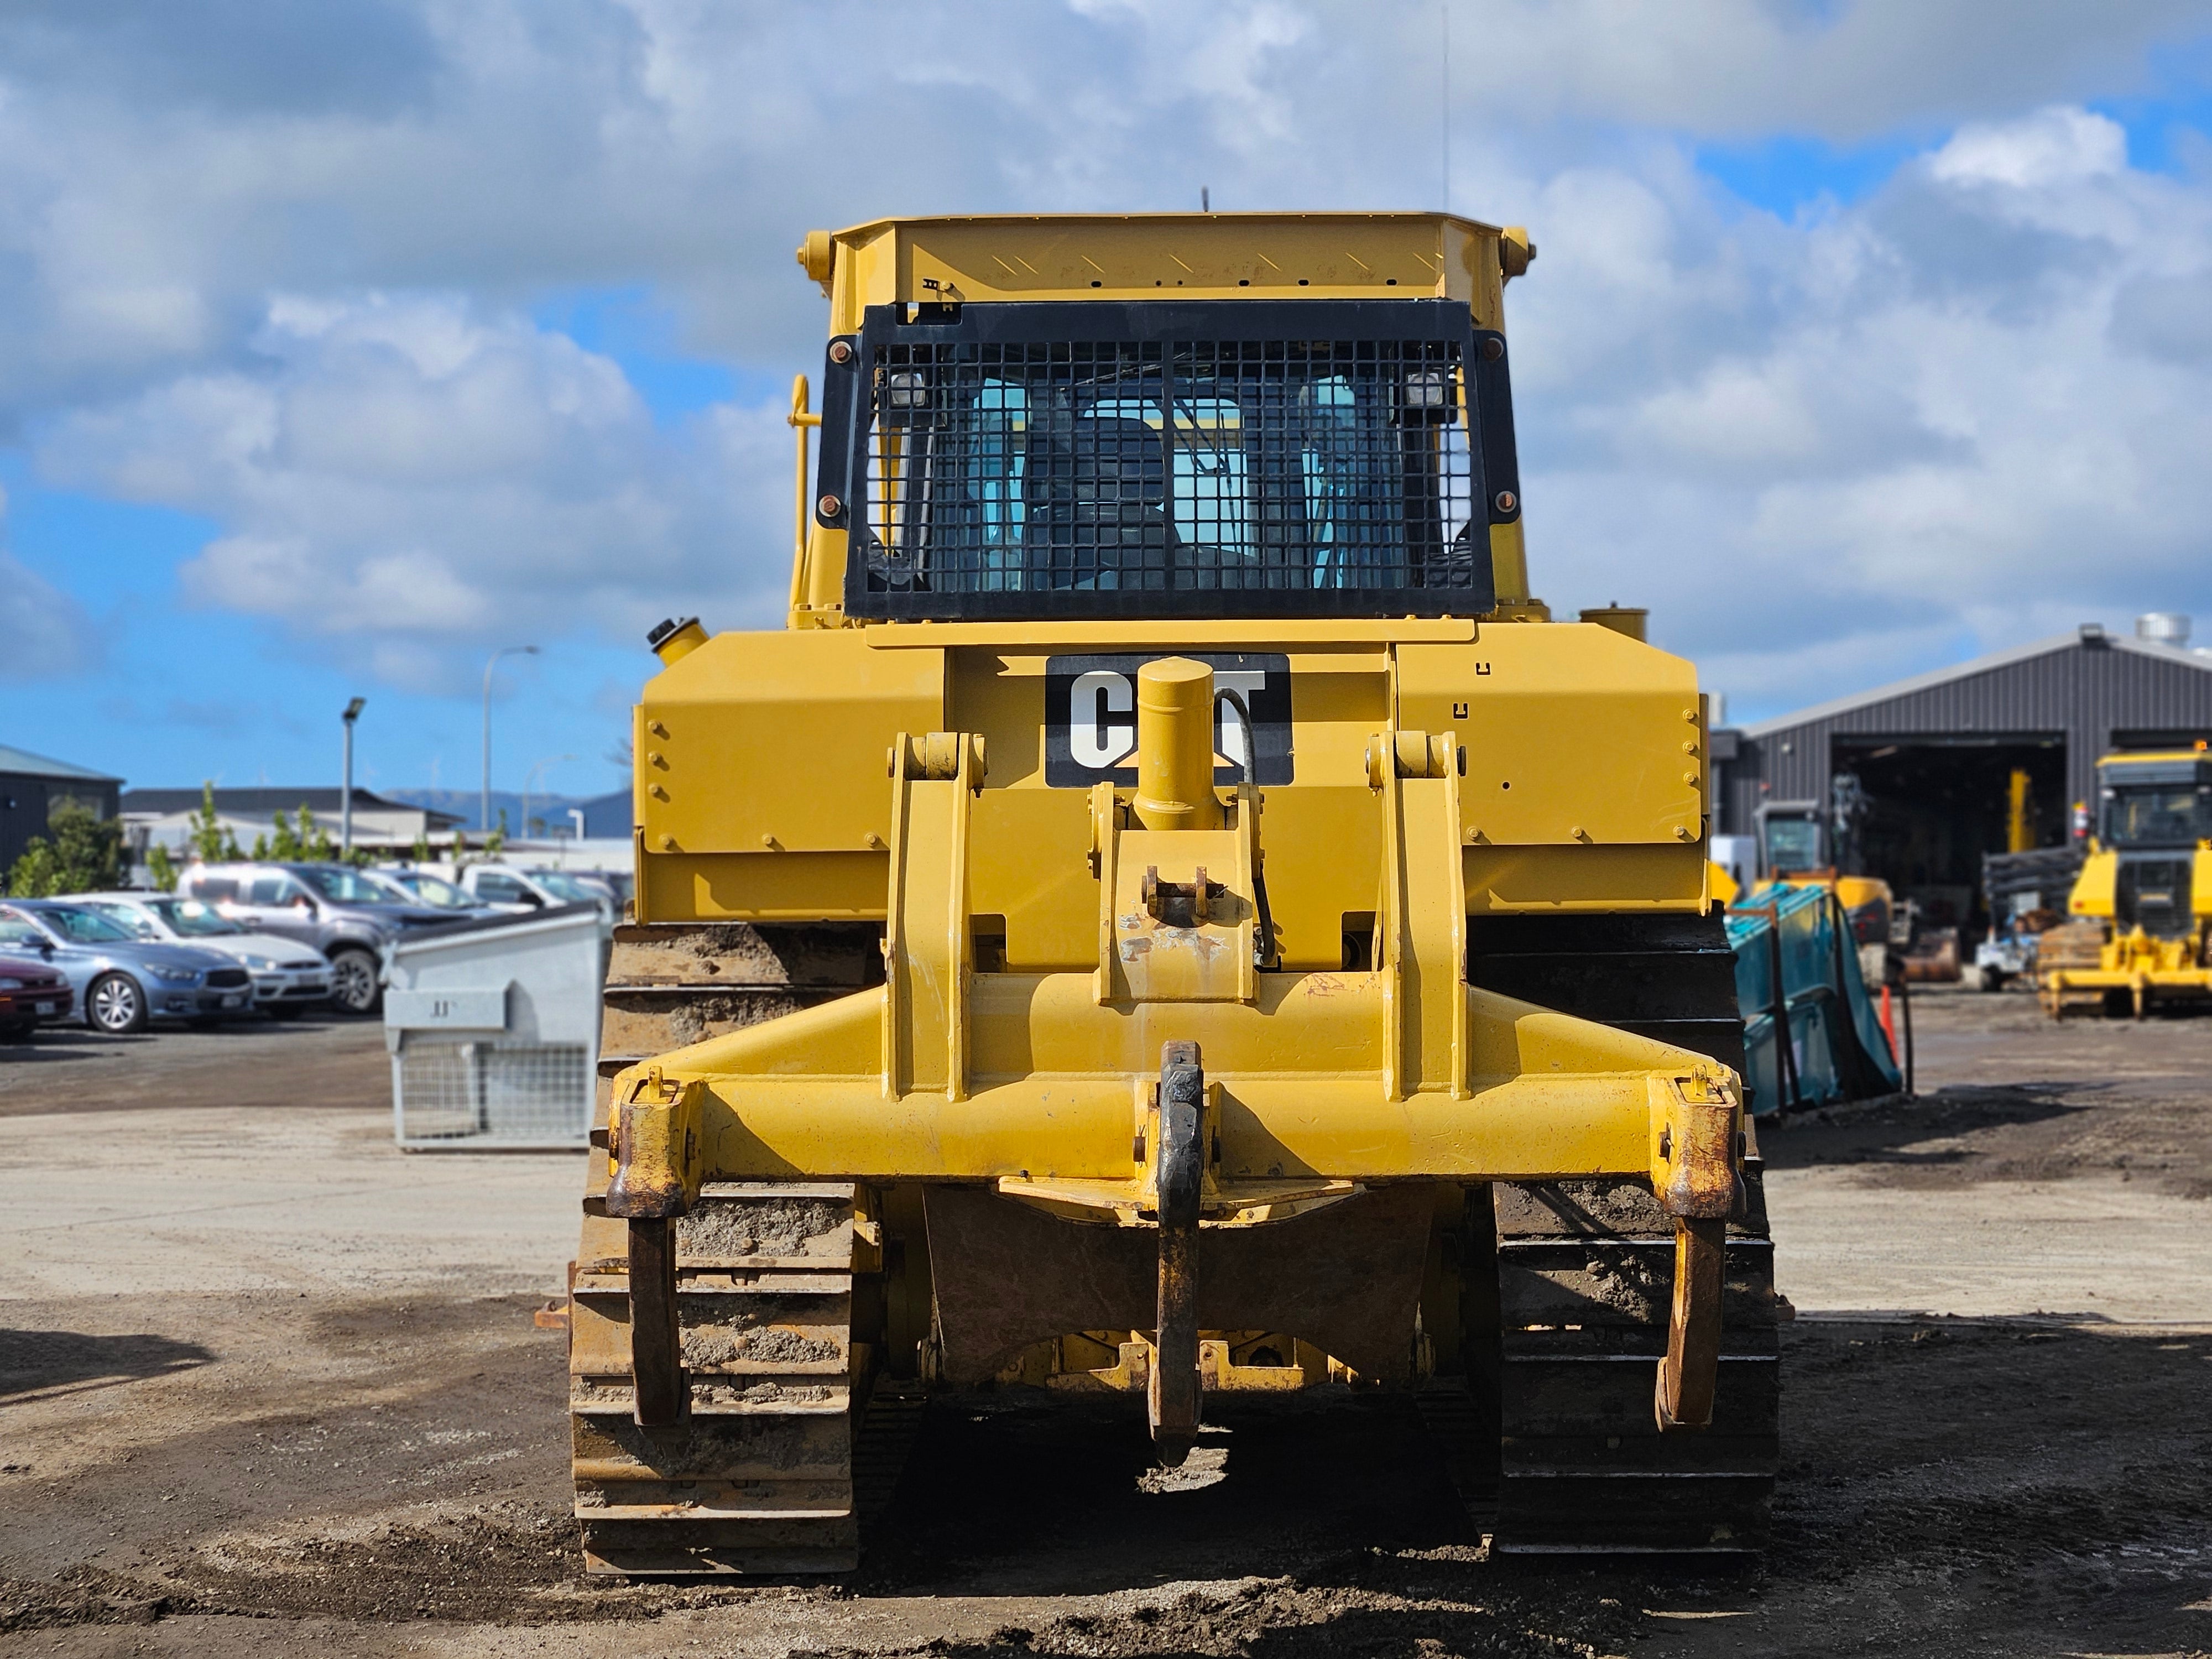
(1909, 427)
(281, 275)
(399, 473)
(2054, 146)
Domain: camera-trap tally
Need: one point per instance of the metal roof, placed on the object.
(322, 798)
(2073, 641)
(23, 763)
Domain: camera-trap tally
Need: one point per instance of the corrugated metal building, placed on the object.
(1934, 755)
(31, 785)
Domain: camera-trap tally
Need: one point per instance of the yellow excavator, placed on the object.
(1169, 915)
(2144, 896)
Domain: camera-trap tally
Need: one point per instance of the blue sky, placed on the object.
(329, 363)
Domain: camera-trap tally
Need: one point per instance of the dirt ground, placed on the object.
(268, 1387)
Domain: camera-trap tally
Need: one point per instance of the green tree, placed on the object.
(210, 842)
(158, 866)
(84, 855)
(315, 841)
(422, 846)
(36, 874)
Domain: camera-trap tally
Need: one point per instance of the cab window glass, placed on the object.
(1792, 844)
(2170, 815)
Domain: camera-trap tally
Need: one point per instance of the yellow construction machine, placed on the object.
(2144, 896)
(1169, 914)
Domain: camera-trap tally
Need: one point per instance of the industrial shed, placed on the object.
(1934, 755)
(32, 786)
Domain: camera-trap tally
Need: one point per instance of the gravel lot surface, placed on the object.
(270, 1387)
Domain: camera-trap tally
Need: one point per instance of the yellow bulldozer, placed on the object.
(1171, 915)
(2144, 899)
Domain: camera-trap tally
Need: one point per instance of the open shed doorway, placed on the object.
(1934, 805)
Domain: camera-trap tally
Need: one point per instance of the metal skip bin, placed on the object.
(1797, 970)
(493, 1027)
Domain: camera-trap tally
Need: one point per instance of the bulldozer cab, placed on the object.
(2154, 811)
(2154, 800)
(1163, 417)
(1792, 839)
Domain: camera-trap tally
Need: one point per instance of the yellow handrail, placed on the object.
(799, 419)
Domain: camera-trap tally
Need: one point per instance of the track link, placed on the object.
(759, 1476)
(1585, 1273)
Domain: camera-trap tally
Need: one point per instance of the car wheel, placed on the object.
(115, 1005)
(353, 989)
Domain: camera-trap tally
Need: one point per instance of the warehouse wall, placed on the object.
(2083, 692)
(25, 799)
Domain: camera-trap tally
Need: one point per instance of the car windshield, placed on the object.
(343, 886)
(427, 889)
(2163, 815)
(141, 925)
(83, 924)
(192, 919)
(567, 887)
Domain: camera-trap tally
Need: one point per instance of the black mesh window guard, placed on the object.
(1174, 458)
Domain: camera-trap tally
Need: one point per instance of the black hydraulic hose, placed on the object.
(1905, 998)
(1235, 699)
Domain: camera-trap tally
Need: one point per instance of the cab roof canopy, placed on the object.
(1161, 256)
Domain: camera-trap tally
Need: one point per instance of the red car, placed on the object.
(31, 994)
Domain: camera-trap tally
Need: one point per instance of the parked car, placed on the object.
(121, 981)
(345, 915)
(32, 991)
(422, 887)
(511, 887)
(289, 979)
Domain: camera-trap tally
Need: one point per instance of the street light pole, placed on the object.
(345, 786)
(484, 814)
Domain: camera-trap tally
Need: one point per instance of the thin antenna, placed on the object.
(1205, 199)
(1444, 17)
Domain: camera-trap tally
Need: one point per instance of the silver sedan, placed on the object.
(289, 979)
(122, 981)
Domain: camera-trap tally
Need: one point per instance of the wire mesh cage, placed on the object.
(1025, 459)
(483, 1093)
